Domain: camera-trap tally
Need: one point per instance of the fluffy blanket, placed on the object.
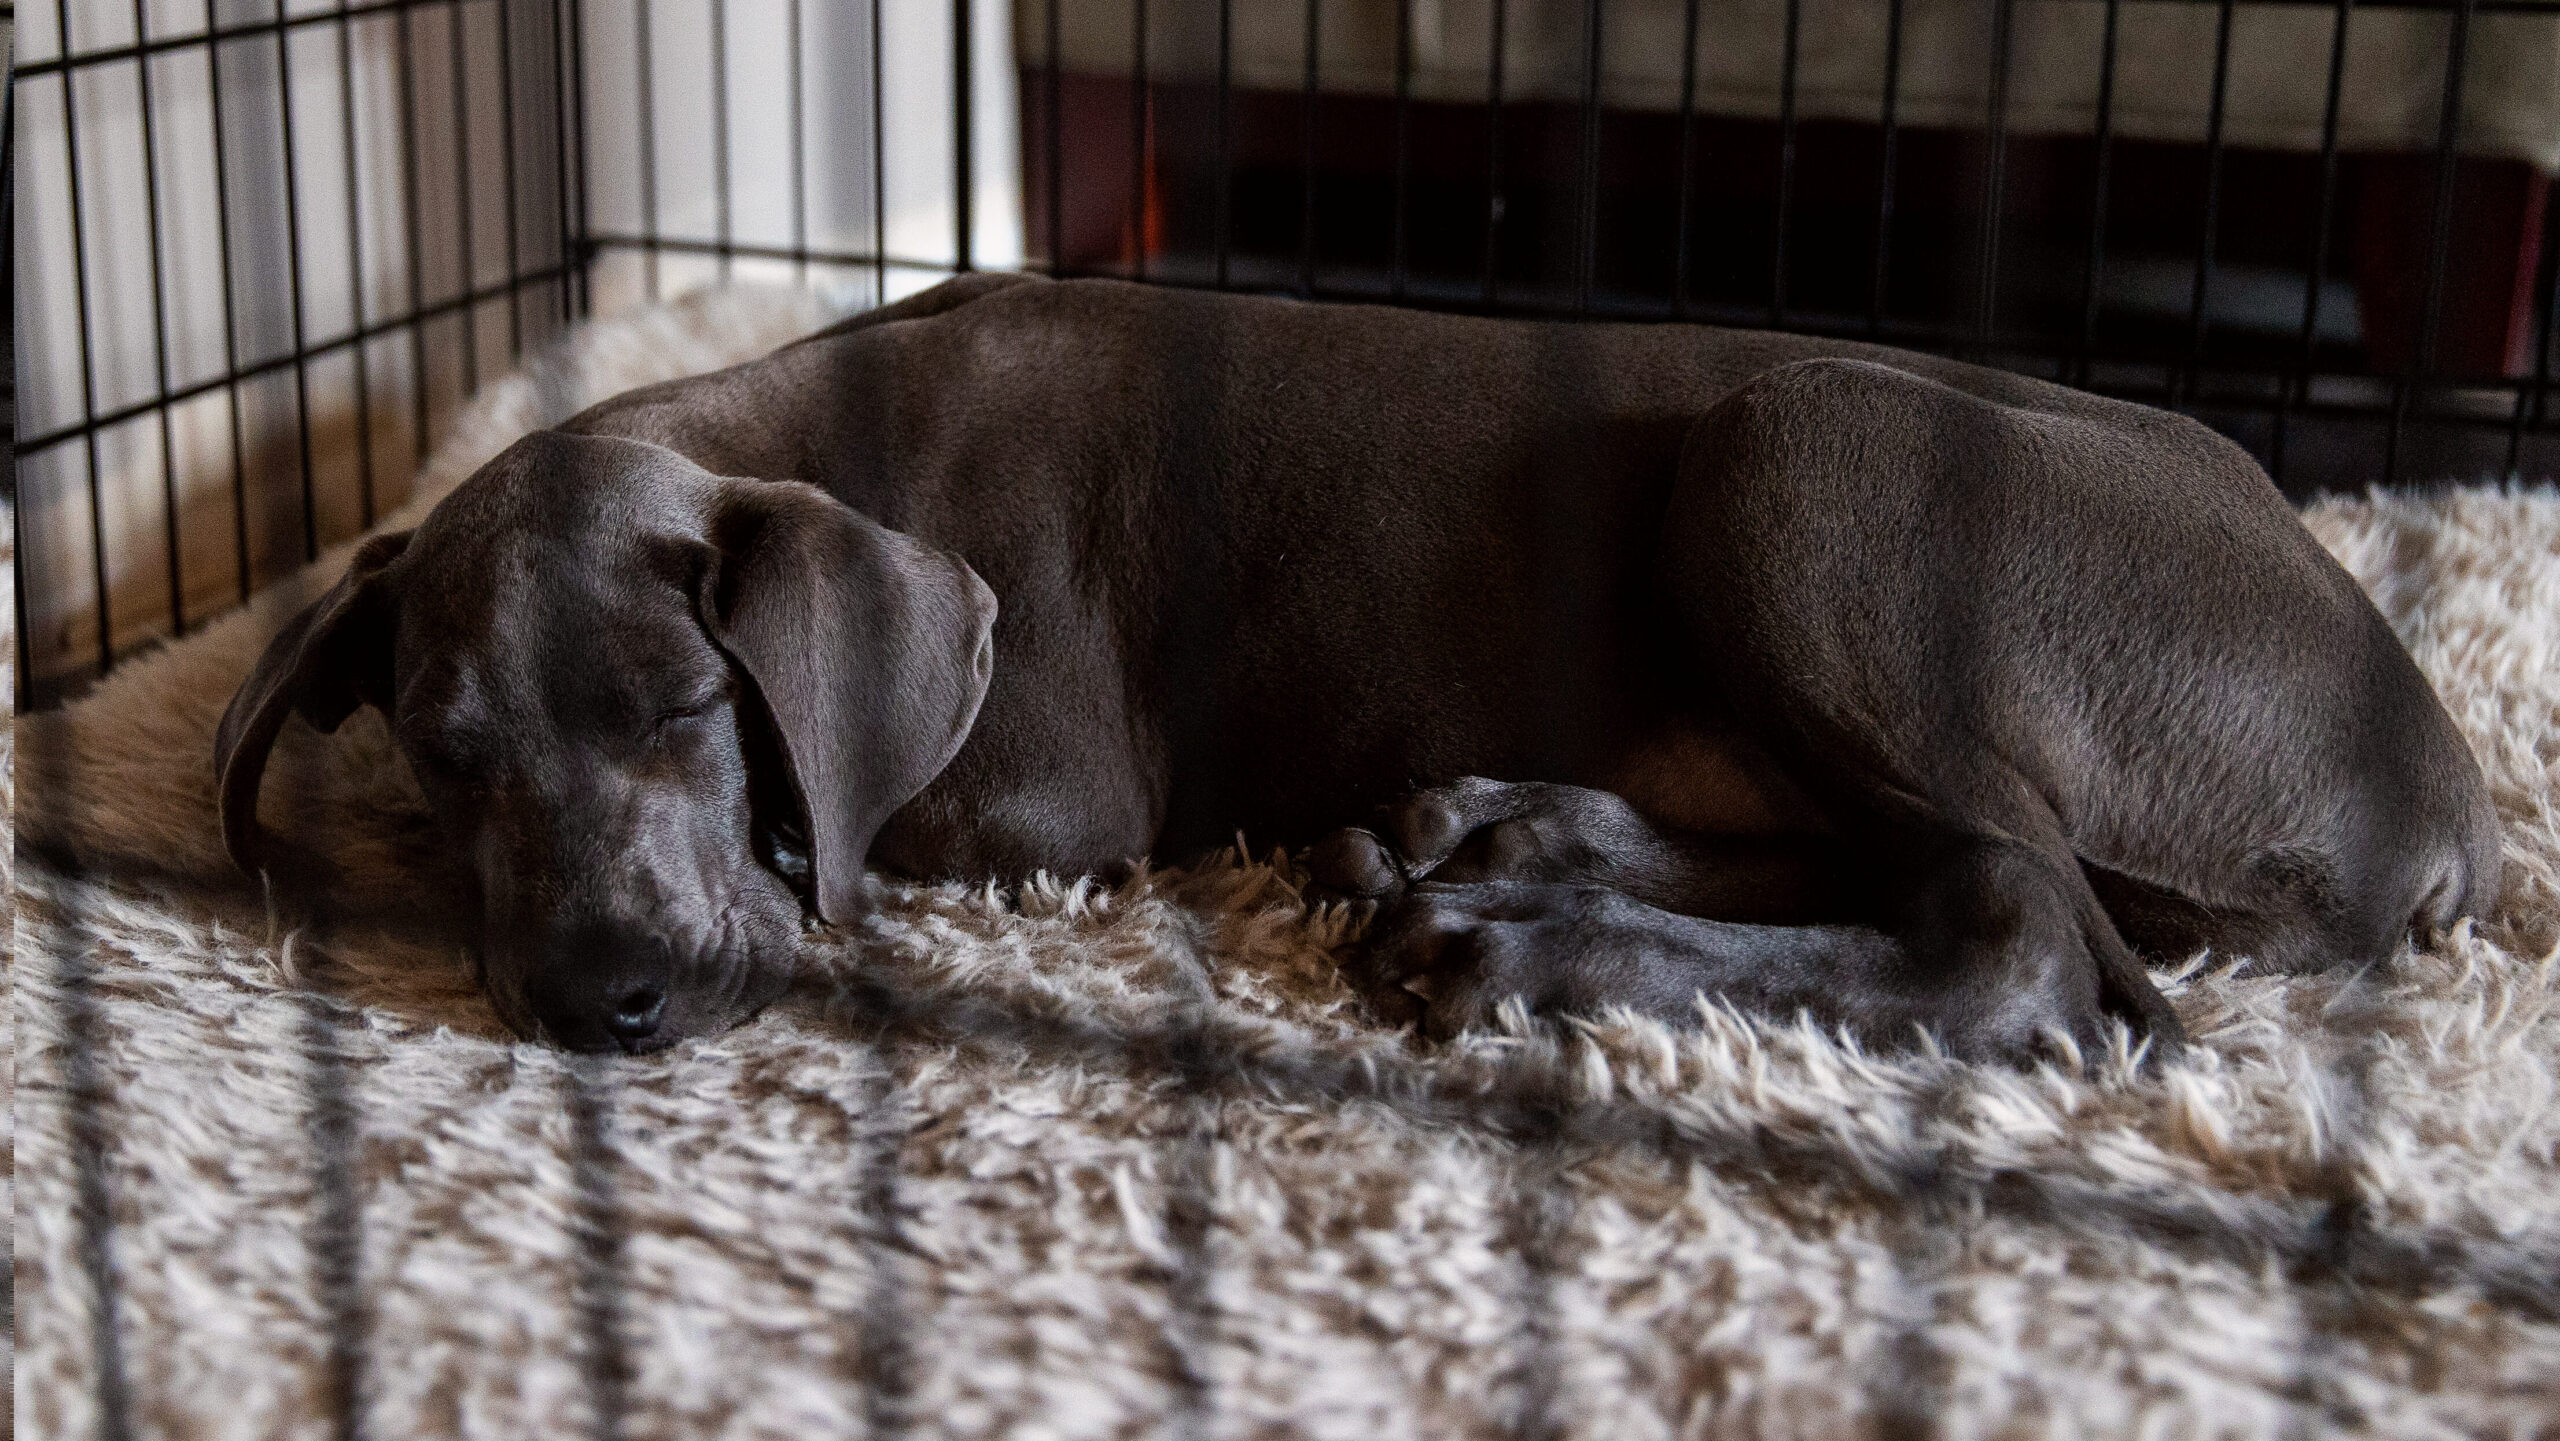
(1069, 1160)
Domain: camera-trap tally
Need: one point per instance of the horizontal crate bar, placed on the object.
(252, 29)
(501, 291)
(246, 29)
(749, 250)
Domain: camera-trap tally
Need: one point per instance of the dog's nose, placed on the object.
(601, 989)
(634, 1014)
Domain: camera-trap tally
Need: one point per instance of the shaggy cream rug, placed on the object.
(1070, 1161)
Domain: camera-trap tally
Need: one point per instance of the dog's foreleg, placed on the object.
(1449, 956)
(1475, 829)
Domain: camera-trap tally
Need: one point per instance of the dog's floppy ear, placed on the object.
(334, 656)
(872, 651)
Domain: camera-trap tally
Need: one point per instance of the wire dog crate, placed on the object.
(263, 249)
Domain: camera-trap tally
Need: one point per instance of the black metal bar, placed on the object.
(564, 150)
(799, 154)
(1923, 337)
(1057, 181)
(214, 34)
(1587, 229)
(602, 1263)
(1514, 1107)
(1403, 141)
(2542, 360)
(86, 1094)
(2199, 313)
(293, 292)
(88, 359)
(355, 266)
(2439, 244)
(1190, 1225)
(1223, 241)
(1688, 160)
(1138, 117)
(1786, 163)
(230, 315)
(1994, 173)
(1511, 1106)
(110, 54)
(2301, 378)
(722, 219)
(882, 1330)
(507, 176)
(64, 435)
(9, 371)
(411, 224)
(879, 170)
(751, 250)
(1540, 1210)
(2547, 324)
(2093, 278)
(964, 150)
(1190, 1335)
(586, 162)
(1492, 286)
(337, 1218)
(1887, 160)
(159, 336)
(644, 87)
(458, 43)
(1307, 139)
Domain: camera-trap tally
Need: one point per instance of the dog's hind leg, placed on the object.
(2017, 640)
(1892, 589)
(1566, 899)
(2003, 638)
(1931, 607)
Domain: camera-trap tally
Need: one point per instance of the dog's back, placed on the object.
(1306, 557)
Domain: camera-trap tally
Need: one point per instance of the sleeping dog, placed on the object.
(1616, 665)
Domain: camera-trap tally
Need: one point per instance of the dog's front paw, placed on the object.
(1448, 956)
(1443, 959)
(1475, 829)
(1353, 864)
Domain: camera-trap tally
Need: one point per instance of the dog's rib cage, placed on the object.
(273, 245)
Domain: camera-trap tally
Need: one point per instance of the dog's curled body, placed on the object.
(1646, 661)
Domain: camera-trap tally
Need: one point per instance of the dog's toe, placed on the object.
(1353, 864)
(1447, 956)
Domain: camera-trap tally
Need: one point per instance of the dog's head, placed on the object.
(638, 697)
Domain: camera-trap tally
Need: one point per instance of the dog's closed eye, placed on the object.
(691, 710)
(672, 720)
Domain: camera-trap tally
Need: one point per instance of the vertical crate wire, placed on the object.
(246, 391)
(534, 66)
(477, 183)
